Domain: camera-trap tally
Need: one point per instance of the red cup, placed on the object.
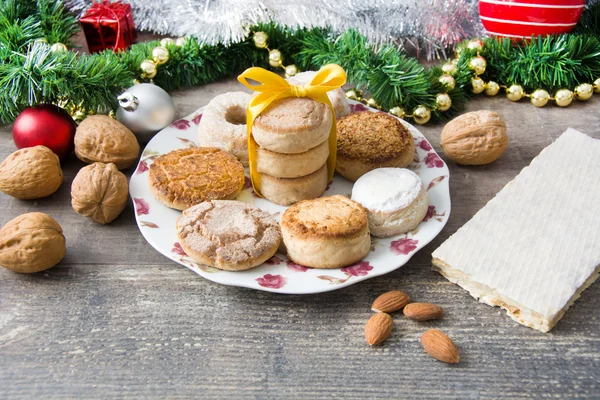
(524, 18)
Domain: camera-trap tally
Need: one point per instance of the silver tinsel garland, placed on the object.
(428, 26)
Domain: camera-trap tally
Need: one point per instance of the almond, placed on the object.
(378, 328)
(390, 302)
(440, 346)
(423, 311)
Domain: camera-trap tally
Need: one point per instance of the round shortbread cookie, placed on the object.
(328, 232)
(286, 191)
(223, 124)
(228, 234)
(367, 140)
(395, 199)
(337, 97)
(281, 165)
(185, 177)
(292, 125)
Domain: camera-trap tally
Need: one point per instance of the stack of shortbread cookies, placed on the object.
(292, 136)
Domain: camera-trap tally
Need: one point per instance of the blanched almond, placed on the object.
(390, 301)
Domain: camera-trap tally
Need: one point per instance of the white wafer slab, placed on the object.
(535, 246)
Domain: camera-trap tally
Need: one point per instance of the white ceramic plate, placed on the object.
(157, 222)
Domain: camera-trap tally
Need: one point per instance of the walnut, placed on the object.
(31, 173)
(31, 242)
(99, 191)
(475, 138)
(101, 138)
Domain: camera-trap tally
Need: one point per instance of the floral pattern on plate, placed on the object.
(278, 274)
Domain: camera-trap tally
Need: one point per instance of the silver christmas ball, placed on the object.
(145, 109)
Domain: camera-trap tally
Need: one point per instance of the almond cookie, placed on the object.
(328, 232)
(228, 235)
(291, 165)
(286, 191)
(292, 125)
(367, 140)
(338, 98)
(395, 199)
(185, 177)
(223, 124)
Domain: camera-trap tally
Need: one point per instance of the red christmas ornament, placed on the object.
(45, 125)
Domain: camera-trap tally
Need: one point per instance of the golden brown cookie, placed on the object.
(366, 141)
(328, 232)
(185, 177)
(227, 234)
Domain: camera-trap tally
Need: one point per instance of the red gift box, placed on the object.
(108, 25)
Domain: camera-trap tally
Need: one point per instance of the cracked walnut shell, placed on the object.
(99, 191)
(101, 138)
(475, 138)
(32, 242)
(31, 173)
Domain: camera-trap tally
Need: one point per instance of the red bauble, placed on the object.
(45, 125)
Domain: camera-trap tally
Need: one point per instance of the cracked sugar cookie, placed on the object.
(228, 234)
(183, 178)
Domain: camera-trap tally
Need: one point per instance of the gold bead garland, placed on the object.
(443, 102)
(515, 92)
(260, 40)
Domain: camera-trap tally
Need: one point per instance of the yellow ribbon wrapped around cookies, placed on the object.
(273, 87)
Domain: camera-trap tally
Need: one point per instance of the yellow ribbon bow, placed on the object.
(273, 87)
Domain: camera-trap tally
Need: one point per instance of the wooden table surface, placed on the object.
(116, 319)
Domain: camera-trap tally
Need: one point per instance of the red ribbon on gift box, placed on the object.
(107, 13)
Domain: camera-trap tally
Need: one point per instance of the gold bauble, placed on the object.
(443, 101)
(275, 58)
(563, 97)
(475, 45)
(58, 47)
(515, 92)
(160, 55)
(584, 91)
(41, 40)
(421, 115)
(398, 111)
(260, 39)
(539, 97)
(597, 85)
(450, 68)
(167, 41)
(291, 70)
(447, 81)
(477, 85)
(148, 69)
(492, 88)
(478, 65)
(354, 94)
(371, 102)
(457, 52)
(181, 41)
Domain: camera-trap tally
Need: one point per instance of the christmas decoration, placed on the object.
(45, 125)
(390, 78)
(514, 20)
(563, 97)
(145, 109)
(430, 27)
(108, 25)
(539, 98)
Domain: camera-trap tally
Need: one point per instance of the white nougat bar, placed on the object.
(534, 247)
